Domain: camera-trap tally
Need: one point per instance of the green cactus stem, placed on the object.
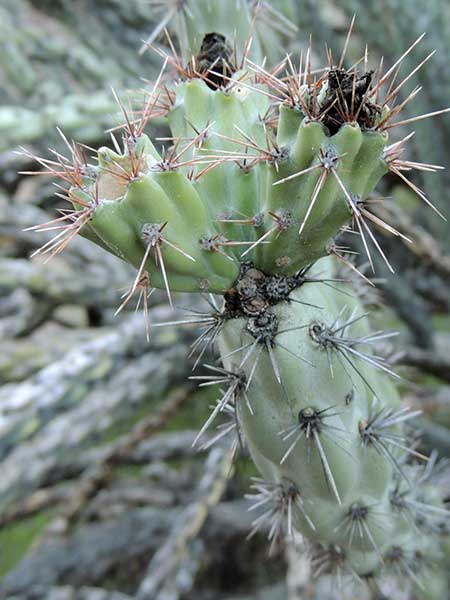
(262, 174)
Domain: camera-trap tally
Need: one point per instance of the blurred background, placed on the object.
(101, 495)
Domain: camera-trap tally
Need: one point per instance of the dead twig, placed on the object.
(100, 474)
(175, 559)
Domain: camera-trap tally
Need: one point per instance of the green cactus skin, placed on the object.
(163, 193)
(244, 205)
(347, 493)
(341, 471)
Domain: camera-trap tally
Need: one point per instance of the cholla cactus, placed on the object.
(263, 172)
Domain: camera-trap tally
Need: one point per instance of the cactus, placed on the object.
(263, 173)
